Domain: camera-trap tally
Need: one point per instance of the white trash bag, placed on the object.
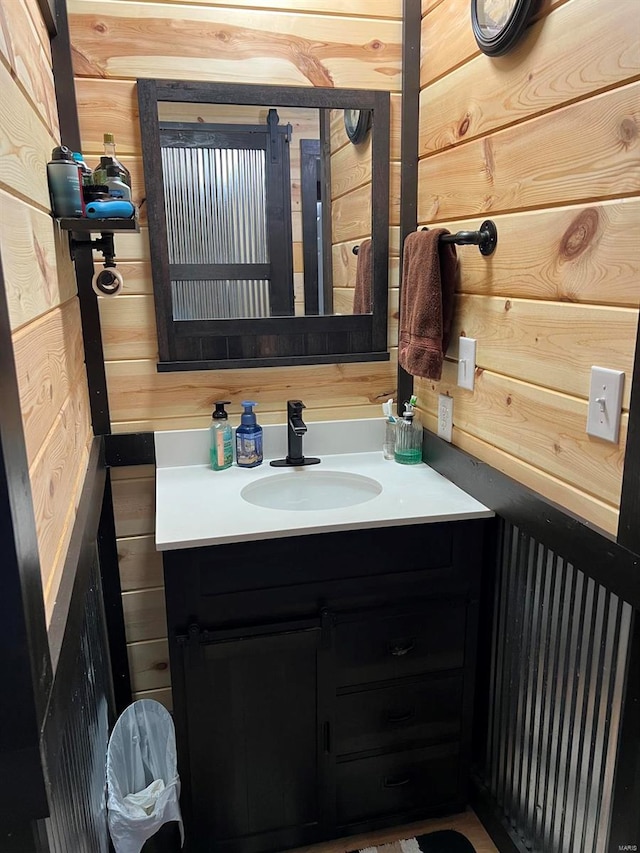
(143, 786)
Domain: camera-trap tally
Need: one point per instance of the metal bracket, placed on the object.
(274, 147)
(103, 244)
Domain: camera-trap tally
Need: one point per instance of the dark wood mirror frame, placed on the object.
(271, 341)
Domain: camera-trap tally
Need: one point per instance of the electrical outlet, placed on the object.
(445, 416)
(466, 362)
(605, 403)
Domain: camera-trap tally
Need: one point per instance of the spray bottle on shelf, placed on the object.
(408, 450)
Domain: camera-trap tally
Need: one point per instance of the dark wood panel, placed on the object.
(378, 647)
(129, 448)
(411, 25)
(254, 768)
(397, 784)
(322, 557)
(399, 716)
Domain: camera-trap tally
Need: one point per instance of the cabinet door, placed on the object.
(253, 738)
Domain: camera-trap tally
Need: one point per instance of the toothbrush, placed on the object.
(386, 410)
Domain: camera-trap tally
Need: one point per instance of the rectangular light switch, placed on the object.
(605, 403)
(466, 362)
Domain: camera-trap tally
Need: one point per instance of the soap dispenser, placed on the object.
(221, 438)
(248, 438)
(408, 449)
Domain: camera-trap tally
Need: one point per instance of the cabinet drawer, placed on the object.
(400, 715)
(375, 646)
(396, 784)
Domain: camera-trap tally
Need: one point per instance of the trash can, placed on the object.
(143, 787)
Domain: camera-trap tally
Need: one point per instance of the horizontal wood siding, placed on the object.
(336, 43)
(546, 141)
(41, 289)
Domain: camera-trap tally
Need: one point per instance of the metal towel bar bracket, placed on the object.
(486, 238)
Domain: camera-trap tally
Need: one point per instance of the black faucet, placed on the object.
(296, 428)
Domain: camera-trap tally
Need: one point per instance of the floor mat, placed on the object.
(444, 841)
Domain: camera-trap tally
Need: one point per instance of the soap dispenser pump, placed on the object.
(248, 438)
(408, 449)
(221, 438)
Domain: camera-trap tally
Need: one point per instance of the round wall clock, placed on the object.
(498, 24)
(357, 123)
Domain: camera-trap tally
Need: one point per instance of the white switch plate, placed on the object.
(467, 362)
(605, 403)
(445, 416)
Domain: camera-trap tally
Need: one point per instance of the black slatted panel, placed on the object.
(559, 647)
(78, 820)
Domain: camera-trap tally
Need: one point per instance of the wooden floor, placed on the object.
(466, 823)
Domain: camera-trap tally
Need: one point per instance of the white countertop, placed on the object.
(196, 506)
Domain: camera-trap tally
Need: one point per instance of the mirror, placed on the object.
(268, 222)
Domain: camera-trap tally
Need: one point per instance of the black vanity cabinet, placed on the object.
(322, 684)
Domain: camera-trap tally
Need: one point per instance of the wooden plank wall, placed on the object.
(41, 289)
(351, 208)
(545, 141)
(341, 43)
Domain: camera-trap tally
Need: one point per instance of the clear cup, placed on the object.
(389, 446)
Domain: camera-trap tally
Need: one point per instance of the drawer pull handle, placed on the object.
(398, 651)
(395, 783)
(402, 717)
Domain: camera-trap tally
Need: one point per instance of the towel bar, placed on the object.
(486, 238)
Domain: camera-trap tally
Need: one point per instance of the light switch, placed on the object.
(445, 417)
(605, 403)
(466, 362)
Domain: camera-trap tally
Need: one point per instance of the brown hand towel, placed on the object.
(429, 270)
(364, 275)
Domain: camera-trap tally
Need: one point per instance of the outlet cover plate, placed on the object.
(467, 362)
(445, 416)
(605, 403)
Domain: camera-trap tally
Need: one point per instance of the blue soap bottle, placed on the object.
(248, 438)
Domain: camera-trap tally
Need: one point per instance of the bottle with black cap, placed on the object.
(64, 183)
(221, 438)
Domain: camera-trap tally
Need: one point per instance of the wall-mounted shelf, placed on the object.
(105, 227)
(99, 226)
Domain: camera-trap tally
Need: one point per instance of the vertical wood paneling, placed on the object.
(546, 140)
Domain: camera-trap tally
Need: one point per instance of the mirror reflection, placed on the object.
(268, 210)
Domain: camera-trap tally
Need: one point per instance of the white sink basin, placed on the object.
(311, 490)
